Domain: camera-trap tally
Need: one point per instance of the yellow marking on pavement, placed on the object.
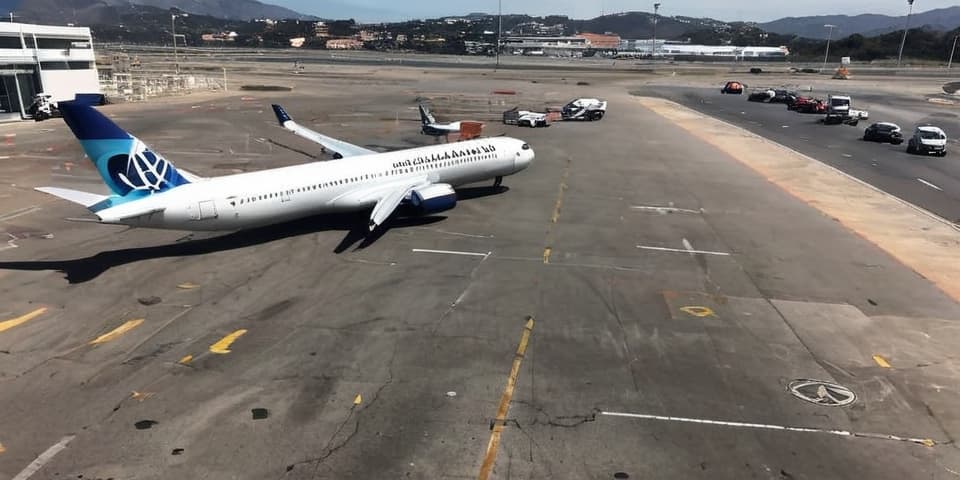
(927, 442)
(116, 332)
(546, 255)
(494, 443)
(358, 399)
(8, 324)
(223, 346)
(881, 361)
(698, 311)
(186, 359)
(140, 396)
(187, 286)
(559, 204)
(2, 448)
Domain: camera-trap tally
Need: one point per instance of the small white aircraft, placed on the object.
(429, 125)
(148, 191)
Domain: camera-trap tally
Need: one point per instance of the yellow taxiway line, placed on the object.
(494, 443)
(117, 332)
(223, 346)
(8, 324)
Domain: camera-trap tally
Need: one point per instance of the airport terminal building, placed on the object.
(58, 61)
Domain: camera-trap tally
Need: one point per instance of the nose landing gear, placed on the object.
(497, 181)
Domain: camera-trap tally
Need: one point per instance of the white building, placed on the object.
(58, 61)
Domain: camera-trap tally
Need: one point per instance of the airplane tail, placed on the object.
(426, 118)
(125, 163)
(282, 116)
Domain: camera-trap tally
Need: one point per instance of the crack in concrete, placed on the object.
(355, 409)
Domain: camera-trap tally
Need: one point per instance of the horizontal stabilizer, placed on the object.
(75, 196)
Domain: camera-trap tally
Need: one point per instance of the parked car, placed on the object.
(808, 105)
(928, 139)
(762, 95)
(883, 132)
(783, 96)
(735, 88)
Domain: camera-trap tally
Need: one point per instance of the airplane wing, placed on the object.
(385, 198)
(341, 148)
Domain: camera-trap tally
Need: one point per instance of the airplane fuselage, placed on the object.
(266, 197)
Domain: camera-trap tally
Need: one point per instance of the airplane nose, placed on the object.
(523, 158)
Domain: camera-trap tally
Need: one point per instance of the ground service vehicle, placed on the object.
(883, 132)
(43, 108)
(808, 105)
(838, 111)
(584, 109)
(525, 118)
(734, 88)
(928, 139)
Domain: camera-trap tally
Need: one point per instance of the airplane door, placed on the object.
(206, 210)
(285, 196)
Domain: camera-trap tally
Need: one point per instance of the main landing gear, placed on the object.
(497, 181)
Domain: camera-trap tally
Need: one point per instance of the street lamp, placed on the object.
(499, 29)
(829, 37)
(656, 8)
(173, 31)
(906, 27)
(952, 49)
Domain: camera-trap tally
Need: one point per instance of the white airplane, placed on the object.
(148, 191)
(429, 125)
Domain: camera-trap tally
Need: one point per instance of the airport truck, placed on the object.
(840, 110)
(525, 118)
(584, 109)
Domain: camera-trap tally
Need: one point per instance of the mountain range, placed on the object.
(868, 25)
(91, 12)
(628, 25)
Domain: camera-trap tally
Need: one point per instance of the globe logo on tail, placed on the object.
(141, 170)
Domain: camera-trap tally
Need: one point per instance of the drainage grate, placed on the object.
(822, 393)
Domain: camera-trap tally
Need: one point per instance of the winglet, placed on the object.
(282, 115)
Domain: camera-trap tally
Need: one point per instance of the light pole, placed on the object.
(952, 49)
(656, 8)
(906, 27)
(173, 31)
(829, 37)
(499, 29)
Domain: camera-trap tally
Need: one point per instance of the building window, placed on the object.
(10, 42)
(66, 65)
(63, 43)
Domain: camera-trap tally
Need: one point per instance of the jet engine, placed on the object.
(433, 198)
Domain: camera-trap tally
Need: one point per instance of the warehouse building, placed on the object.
(57, 61)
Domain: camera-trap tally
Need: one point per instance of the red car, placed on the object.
(808, 105)
(735, 88)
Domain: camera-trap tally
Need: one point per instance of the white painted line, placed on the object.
(4, 157)
(680, 250)
(843, 433)
(929, 184)
(18, 213)
(44, 458)
(452, 252)
(653, 208)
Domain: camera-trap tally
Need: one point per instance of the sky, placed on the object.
(378, 10)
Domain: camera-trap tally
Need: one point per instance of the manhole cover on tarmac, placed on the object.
(822, 393)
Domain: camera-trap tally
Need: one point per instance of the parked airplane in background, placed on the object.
(148, 191)
(429, 125)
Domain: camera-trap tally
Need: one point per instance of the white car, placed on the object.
(584, 109)
(928, 139)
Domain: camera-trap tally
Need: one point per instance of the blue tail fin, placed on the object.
(126, 165)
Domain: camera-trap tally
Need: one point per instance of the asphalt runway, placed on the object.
(926, 181)
(630, 306)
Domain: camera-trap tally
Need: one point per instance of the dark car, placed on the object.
(783, 96)
(883, 132)
(735, 88)
(761, 95)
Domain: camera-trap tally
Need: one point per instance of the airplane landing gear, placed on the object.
(497, 181)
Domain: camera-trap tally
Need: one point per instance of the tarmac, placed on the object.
(636, 304)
